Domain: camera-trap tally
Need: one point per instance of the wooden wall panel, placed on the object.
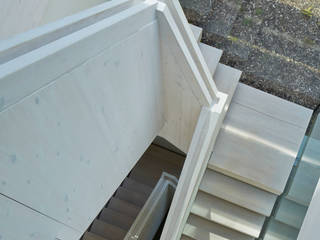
(66, 148)
(18, 222)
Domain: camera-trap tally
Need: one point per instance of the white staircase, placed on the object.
(81, 100)
(250, 161)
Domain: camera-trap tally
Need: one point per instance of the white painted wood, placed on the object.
(277, 108)
(227, 214)
(227, 78)
(67, 147)
(154, 211)
(184, 90)
(192, 45)
(290, 213)
(30, 40)
(30, 72)
(237, 192)
(279, 231)
(20, 222)
(212, 57)
(310, 229)
(19, 16)
(306, 178)
(197, 32)
(256, 148)
(203, 140)
(199, 228)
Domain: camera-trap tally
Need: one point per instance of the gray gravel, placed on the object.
(272, 42)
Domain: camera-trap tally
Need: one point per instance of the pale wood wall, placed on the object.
(17, 16)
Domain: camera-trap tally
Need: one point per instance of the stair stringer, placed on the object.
(192, 44)
(185, 91)
(203, 140)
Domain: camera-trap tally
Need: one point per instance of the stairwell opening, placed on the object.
(121, 212)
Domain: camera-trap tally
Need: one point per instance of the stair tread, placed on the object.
(183, 237)
(156, 168)
(197, 32)
(227, 214)
(273, 147)
(113, 217)
(163, 154)
(107, 230)
(92, 236)
(226, 78)
(123, 207)
(140, 175)
(291, 213)
(280, 231)
(237, 192)
(307, 175)
(135, 198)
(199, 228)
(277, 107)
(137, 186)
(211, 55)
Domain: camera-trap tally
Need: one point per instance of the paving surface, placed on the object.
(275, 43)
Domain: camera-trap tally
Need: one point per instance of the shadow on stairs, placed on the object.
(122, 209)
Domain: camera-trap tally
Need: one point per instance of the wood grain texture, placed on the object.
(200, 228)
(38, 37)
(67, 148)
(184, 28)
(30, 72)
(184, 90)
(19, 16)
(256, 148)
(238, 192)
(227, 214)
(273, 106)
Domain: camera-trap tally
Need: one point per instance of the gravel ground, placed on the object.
(275, 45)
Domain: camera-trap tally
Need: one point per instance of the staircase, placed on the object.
(232, 174)
(116, 219)
(250, 162)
